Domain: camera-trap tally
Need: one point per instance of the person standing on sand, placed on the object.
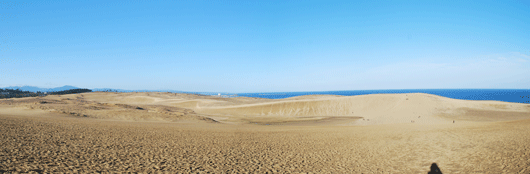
(453, 121)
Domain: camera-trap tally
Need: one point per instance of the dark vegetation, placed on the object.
(71, 91)
(17, 93)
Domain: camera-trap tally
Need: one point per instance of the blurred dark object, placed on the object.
(435, 169)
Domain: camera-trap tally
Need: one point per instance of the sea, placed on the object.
(507, 95)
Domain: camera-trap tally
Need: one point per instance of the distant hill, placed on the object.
(37, 89)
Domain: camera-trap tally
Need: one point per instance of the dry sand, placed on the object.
(183, 133)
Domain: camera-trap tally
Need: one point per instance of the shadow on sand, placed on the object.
(435, 169)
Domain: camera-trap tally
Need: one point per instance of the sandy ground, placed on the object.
(182, 133)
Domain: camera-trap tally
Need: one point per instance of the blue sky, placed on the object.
(265, 46)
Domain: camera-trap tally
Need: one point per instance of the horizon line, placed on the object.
(168, 90)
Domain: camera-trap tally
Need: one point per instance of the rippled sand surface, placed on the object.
(177, 133)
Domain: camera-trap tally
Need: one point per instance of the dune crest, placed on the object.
(378, 109)
(370, 109)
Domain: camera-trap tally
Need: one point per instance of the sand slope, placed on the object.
(352, 110)
(182, 133)
(378, 109)
(40, 141)
(76, 105)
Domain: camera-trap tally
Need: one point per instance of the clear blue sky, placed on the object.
(265, 46)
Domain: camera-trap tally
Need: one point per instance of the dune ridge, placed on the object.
(370, 109)
(377, 108)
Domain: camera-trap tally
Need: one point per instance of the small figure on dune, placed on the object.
(453, 121)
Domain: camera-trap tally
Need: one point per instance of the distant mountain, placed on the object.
(35, 89)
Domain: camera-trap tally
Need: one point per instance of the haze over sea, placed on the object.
(507, 95)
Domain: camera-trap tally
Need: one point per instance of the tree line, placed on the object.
(17, 93)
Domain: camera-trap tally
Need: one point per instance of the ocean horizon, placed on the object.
(506, 95)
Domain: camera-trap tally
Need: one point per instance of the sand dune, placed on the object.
(76, 105)
(183, 133)
(377, 109)
(369, 109)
